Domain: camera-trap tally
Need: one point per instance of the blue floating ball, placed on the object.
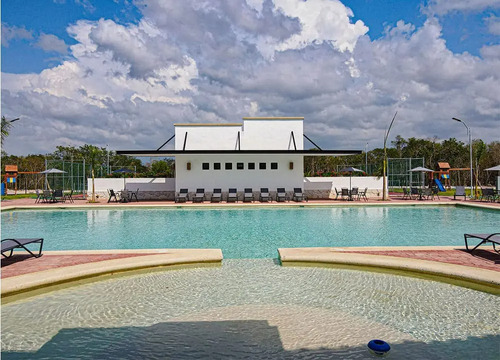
(379, 347)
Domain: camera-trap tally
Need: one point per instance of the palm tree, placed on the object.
(95, 157)
(6, 126)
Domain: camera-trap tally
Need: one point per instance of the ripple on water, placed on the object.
(253, 309)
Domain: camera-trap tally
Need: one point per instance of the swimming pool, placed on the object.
(249, 232)
(253, 309)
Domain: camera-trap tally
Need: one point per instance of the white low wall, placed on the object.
(324, 187)
(149, 188)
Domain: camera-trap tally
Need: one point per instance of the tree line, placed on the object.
(455, 152)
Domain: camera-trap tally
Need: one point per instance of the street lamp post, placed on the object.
(470, 149)
(384, 183)
(366, 158)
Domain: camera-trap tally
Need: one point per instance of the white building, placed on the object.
(259, 152)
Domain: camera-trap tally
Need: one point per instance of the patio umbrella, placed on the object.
(51, 171)
(123, 171)
(421, 169)
(350, 170)
(494, 168)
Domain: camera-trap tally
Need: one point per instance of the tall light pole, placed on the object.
(384, 190)
(366, 158)
(107, 153)
(470, 149)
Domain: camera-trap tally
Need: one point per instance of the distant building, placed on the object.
(259, 152)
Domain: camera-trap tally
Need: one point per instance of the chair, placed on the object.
(112, 194)
(216, 196)
(199, 196)
(337, 194)
(58, 195)
(435, 192)
(362, 194)
(427, 193)
(354, 193)
(182, 196)
(69, 196)
(459, 191)
(415, 194)
(485, 238)
(11, 244)
(406, 194)
(248, 195)
(298, 195)
(264, 195)
(133, 195)
(344, 193)
(47, 196)
(232, 195)
(39, 196)
(488, 194)
(281, 195)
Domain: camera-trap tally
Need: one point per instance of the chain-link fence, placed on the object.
(399, 175)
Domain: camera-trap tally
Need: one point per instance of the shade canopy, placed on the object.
(351, 169)
(494, 168)
(53, 171)
(123, 171)
(421, 169)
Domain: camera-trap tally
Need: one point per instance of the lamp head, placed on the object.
(456, 119)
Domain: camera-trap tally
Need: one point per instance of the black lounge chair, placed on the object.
(8, 245)
(182, 196)
(216, 196)
(199, 196)
(459, 191)
(298, 195)
(264, 195)
(112, 195)
(485, 238)
(281, 195)
(232, 195)
(248, 195)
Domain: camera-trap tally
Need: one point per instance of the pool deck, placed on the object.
(26, 274)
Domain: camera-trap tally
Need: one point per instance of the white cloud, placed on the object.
(10, 33)
(49, 42)
(493, 25)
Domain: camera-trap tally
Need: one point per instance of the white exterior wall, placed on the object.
(224, 179)
(330, 183)
(143, 184)
(272, 134)
(207, 137)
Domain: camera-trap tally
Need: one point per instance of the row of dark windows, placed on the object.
(239, 166)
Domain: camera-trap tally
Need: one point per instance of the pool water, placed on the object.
(250, 232)
(253, 309)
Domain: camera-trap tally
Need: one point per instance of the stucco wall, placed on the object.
(324, 187)
(272, 134)
(149, 188)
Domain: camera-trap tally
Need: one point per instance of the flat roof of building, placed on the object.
(275, 118)
(208, 124)
(172, 153)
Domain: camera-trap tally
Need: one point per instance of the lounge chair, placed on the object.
(182, 196)
(199, 196)
(298, 195)
(112, 195)
(485, 238)
(248, 195)
(264, 195)
(362, 194)
(232, 195)
(8, 245)
(281, 195)
(216, 196)
(459, 191)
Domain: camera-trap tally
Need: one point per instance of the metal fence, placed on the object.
(399, 175)
(369, 169)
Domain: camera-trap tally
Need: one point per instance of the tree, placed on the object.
(93, 156)
(6, 126)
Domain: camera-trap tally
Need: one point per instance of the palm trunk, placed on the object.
(93, 186)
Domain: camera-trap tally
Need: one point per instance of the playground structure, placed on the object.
(443, 174)
(11, 176)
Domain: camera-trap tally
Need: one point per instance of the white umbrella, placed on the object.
(421, 169)
(350, 170)
(494, 168)
(51, 171)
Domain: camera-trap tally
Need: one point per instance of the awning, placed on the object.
(173, 153)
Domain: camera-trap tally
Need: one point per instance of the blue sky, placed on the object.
(119, 60)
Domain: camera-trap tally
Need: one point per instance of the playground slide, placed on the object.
(439, 185)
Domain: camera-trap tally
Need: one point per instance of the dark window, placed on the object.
(274, 166)
(205, 166)
(262, 166)
(229, 166)
(251, 166)
(216, 166)
(239, 166)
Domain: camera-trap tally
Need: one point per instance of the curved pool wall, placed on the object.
(254, 309)
(251, 232)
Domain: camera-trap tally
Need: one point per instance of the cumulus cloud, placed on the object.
(49, 43)
(217, 61)
(441, 7)
(493, 25)
(10, 33)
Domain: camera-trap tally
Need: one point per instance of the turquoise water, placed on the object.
(250, 232)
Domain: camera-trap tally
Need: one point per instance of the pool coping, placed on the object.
(473, 277)
(311, 203)
(47, 280)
